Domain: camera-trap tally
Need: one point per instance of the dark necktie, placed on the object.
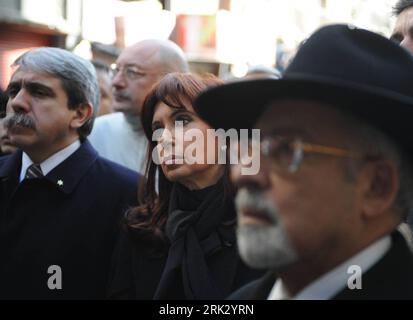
(34, 172)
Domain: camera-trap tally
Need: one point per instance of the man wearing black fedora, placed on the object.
(335, 176)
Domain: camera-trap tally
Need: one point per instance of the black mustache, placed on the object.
(19, 119)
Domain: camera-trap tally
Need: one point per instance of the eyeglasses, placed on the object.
(129, 72)
(288, 153)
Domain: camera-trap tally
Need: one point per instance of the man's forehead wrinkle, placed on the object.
(28, 75)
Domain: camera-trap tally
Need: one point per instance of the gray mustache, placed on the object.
(20, 119)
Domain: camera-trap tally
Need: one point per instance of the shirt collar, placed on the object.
(331, 283)
(50, 163)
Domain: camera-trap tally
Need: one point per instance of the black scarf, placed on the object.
(192, 228)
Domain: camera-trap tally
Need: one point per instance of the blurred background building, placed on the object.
(224, 37)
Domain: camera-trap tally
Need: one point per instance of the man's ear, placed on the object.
(377, 187)
(82, 114)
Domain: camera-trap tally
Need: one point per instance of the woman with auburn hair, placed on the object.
(180, 242)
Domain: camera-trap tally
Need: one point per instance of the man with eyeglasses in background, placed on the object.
(335, 175)
(119, 136)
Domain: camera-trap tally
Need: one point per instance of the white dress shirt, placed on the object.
(50, 163)
(331, 283)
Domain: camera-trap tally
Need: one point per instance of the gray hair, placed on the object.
(371, 141)
(78, 77)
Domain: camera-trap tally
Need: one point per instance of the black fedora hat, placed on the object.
(354, 69)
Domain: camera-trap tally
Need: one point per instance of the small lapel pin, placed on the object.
(60, 183)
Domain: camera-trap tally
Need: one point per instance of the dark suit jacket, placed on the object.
(390, 278)
(70, 218)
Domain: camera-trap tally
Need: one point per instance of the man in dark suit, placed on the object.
(335, 176)
(5, 146)
(403, 28)
(60, 202)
